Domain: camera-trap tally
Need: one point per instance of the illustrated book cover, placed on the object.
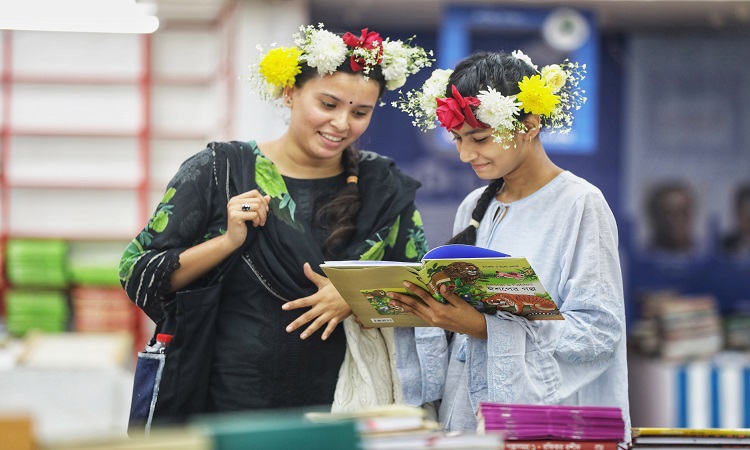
(490, 281)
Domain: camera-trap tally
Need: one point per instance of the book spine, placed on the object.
(560, 445)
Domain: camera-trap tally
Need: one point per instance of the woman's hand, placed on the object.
(326, 306)
(250, 206)
(456, 315)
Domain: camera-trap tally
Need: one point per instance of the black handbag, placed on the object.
(171, 386)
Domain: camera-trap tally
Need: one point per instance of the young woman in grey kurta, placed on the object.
(495, 105)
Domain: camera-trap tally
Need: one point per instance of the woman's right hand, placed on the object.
(237, 217)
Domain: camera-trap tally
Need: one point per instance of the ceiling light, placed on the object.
(97, 16)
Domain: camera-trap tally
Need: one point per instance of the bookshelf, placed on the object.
(93, 127)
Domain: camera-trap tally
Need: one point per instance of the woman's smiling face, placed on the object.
(330, 112)
(489, 159)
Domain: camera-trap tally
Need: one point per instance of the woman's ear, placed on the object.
(287, 96)
(533, 124)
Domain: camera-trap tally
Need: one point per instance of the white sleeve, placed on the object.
(548, 361)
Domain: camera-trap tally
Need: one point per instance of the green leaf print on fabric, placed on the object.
(268, 177)
(376, 251)
(416, 218)
(271, 182)
(158, 223)
(168, 195)
(390, 241)
(132, 253)
(416, 247)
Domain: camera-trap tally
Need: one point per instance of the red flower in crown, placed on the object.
(369, 40)
(453, 111)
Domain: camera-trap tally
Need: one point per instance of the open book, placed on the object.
(490, 281)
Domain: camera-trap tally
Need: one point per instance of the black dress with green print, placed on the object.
(257, 364)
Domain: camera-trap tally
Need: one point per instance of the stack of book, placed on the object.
(28, 310)
(737, 326)
(37, 263)
(103, 309)
(690, 438)
(679, 327)
(527, 427)
(404, 427)
(95, 263)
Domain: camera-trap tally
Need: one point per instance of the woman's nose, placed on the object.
(340, 120)
(465, 152)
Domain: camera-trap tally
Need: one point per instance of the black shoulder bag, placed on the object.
(171, 386)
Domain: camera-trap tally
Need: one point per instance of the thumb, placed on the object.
(313, 276)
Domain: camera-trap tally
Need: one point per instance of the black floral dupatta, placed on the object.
(283, 245)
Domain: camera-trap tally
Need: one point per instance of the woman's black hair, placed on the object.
(502, 72)
(375, 73)
(340, 214)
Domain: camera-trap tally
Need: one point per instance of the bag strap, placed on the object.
(238, 156)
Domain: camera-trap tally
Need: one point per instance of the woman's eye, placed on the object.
(479, 141)
(328, 105)
(455, 138)
(360, 113)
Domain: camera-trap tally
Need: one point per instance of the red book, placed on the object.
(559, 445)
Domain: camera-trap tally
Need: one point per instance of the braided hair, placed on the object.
(501, 71)
(340, 214)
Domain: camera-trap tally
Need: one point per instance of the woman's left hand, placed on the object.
(456, 315)
(326, 306)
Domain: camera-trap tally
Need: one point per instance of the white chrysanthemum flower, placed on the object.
(497, 110)
(395, 61)
(324, 50)
(433, 88)
(394, 84)
(518, 54)
(555, 77)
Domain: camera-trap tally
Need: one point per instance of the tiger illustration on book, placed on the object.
(519, 301)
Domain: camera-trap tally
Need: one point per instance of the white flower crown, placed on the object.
(326, 51)
(552, 93)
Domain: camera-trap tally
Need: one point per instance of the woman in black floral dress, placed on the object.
(316, 198)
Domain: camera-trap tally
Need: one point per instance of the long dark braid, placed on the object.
(340, 214)
(469, 234)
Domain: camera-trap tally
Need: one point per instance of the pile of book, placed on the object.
(527, 427)
(690, 438)
(102, 309)
(37, 263)
(28, 310)
(403, 427)
(678, 327)
(95, 263)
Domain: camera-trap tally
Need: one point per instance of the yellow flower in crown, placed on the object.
(280, 66)
(536, 96)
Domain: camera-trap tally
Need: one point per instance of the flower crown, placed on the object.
(552, 93)
(326, 51)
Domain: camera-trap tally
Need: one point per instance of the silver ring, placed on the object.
(246, 207)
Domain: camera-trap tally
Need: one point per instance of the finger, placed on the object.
(421, 293)
(405, 303)
(450, 296)
(296, 304)
(314, 276)
(332, 324)
(312, 328)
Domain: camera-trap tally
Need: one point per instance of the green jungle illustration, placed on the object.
(379, 301)
(470, 283)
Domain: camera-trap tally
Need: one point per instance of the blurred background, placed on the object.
(100, 101)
